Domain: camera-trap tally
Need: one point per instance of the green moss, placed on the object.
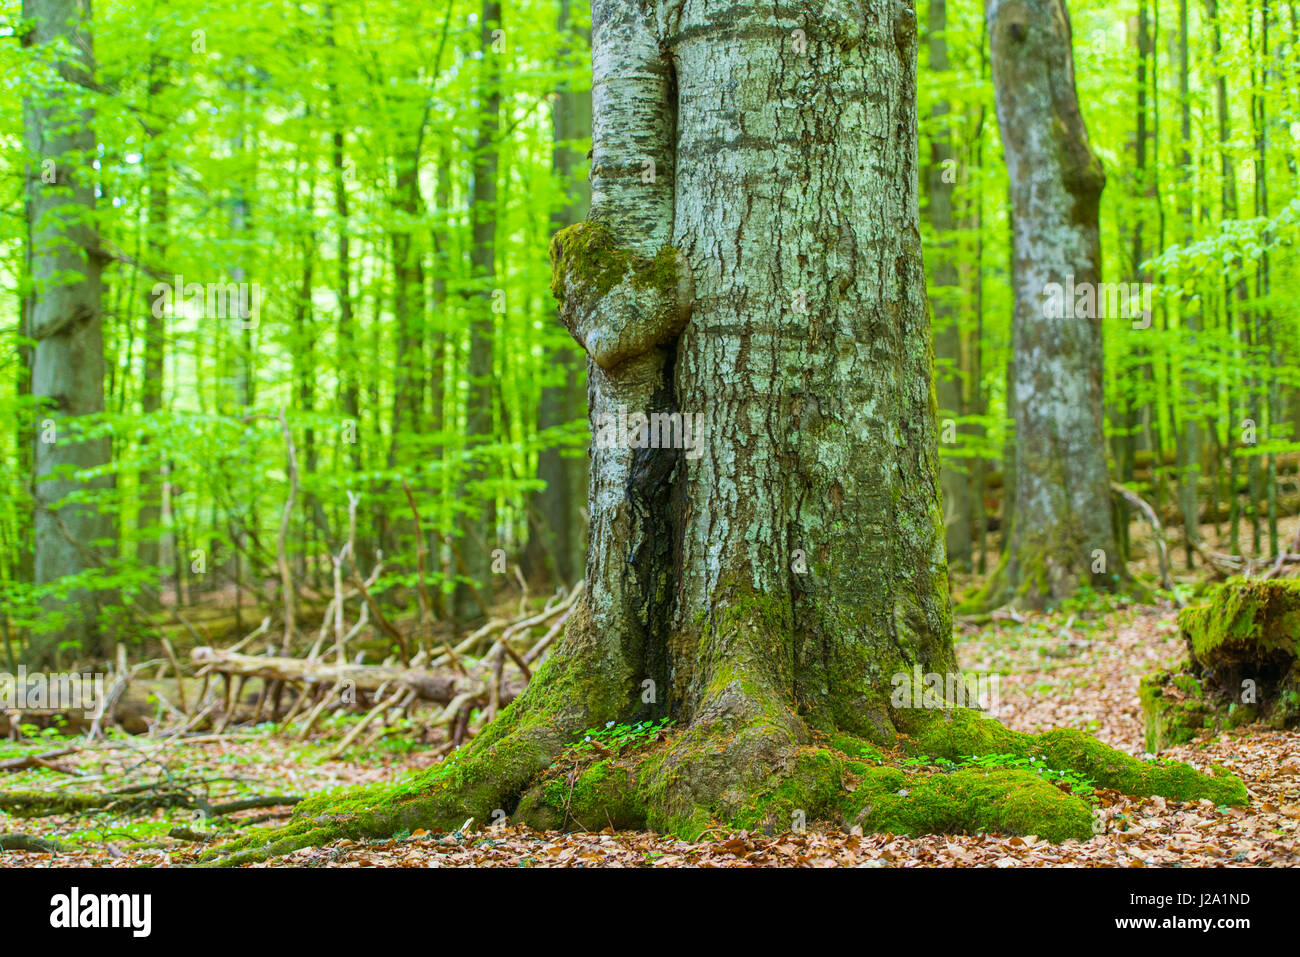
(810, 790)
(961, 733)
(998, 801)
(586, 253)
(1261, 615)
(1173, 709)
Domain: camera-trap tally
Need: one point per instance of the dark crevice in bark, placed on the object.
(650, 490)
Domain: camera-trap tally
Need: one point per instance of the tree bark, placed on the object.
(940, 179)
(66, 321)
(1061, 534)
(477, 536)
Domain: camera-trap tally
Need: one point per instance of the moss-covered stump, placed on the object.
(1174, 709)
(1243, 645)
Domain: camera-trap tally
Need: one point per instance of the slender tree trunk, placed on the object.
(1062, 535)
(555, 522)
(478, 534)
(66, 322)
(940, 178)
(148, 551)
(1190, 445)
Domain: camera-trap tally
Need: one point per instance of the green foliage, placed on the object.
(615, 739)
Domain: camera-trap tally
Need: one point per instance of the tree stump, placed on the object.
(1243, 664)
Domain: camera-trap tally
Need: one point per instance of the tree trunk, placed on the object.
(1061, 534)
(478, 537)
(940, 178)
(555, 524)
(148, 550)
(777, 577)
(66, 322)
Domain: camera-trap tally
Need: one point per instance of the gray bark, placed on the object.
(1061, 534)
(774, 286)
(65, 320)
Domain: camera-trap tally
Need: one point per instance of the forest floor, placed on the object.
(1075, 668)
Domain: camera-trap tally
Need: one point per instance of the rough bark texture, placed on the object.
(761, 591)
(66, 317)
(1061, 534)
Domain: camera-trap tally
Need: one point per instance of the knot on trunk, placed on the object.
(616, 304)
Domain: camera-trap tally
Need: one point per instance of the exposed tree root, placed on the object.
(744, 767)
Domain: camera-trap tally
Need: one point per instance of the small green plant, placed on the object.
(615, 738)
(1076, 782)
(868, 753)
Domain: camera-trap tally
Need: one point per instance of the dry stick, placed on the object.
(471, 641)
(365, 721)
(341, 610)
(536, 651)
(33, 761)
(1283, 557)
(523, 589)
(176, 667)
(385, 625)
(319, 709)
(297, 706)
(282, 541)
(121, 680)
(1162, 549)
(314, 652)
(421, 591)
(261, 629)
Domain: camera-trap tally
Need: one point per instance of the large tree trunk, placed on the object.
(766, 588)
(1061, 534)
(65, 320)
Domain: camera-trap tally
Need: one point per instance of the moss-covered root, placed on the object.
(474, 785)
(810, 784)
(962, 733)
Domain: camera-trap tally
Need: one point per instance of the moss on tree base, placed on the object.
(756, 776)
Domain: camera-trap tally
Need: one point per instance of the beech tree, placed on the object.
(64, 319)
(752, 254)
(1061, 531)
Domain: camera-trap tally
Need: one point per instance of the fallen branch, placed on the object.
(1158, 531)
(36, 845)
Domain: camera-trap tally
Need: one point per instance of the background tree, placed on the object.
(1061, 534)
(72, 536)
